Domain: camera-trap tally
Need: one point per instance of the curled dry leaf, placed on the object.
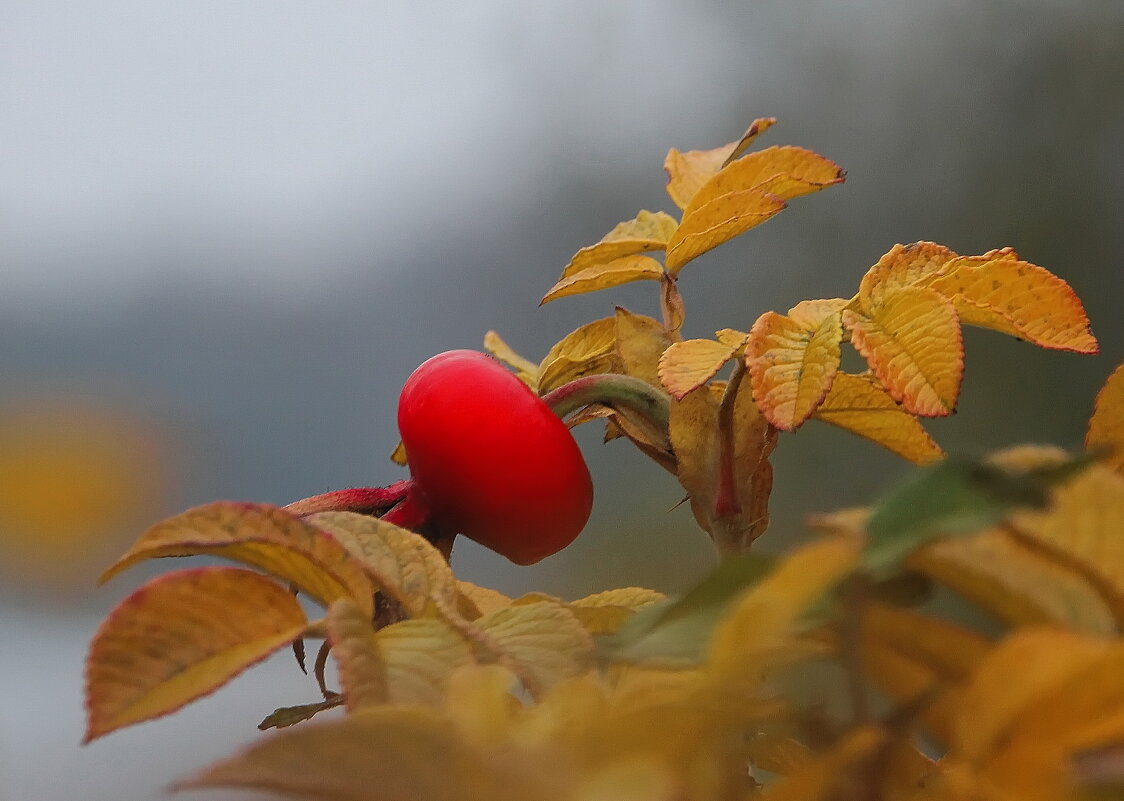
(182, 636)
(586, 350)
(688, 171)
(647, 232)
(263, 536)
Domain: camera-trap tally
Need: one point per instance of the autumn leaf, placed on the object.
(541, 642)
(605, 612)
(793, 362)
(525, 369)
(902, 267)
(587, 350)
(820, 778)
(688, 171)
(259, 535)
(648, 231)
(1106, 426)
(1018, 298)
(481, 599)
(398, 455)
(720, 220)
(399, 561)
(863, 406)
(1019, 585)
(686, 366)
(640, 340)
(623, 270)
(182, 636)
(783, 171)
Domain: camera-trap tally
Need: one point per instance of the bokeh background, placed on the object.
(229, 229)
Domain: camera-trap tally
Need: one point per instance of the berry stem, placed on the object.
(621, 392)
(361, 500)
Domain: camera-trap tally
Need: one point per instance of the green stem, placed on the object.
(615, 391)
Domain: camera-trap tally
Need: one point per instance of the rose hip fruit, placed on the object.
(490, 460)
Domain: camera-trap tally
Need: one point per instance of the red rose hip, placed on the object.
(490, 460)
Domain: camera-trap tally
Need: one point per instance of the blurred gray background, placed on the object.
(229, 230)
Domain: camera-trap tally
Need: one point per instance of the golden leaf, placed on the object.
(401, 562)
(398, 455)
(182, 636)
(732, 338)
(647, 232)
(1106, 426)
(686, 366)
(525, 369)
(688, 171)
(820, 777)
(604, 612)
(718, 221)
(1019, 585)
(912, 340)
(584, 351)
(1082, 527)
(792, 365)
(376, 754)
(482, 599)
(623, 270)
(902, 267)
(862, 406)
(263, 536)
(362, 673)
(419, 656)
(541, 642)
(783, 171)
(1017, 298)
(640, 341)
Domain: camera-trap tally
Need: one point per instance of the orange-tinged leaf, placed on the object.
(263, 536)
(374, 755)
(811, 314)
(912, 341)
(686, 366)
(584, 351)
(182, 636)
(1019, 585)
(648, 231)
(718, 221)
(1106, 426)
(541, 642)
(784, 171)
(862, 406)
(1017, 298)
(1082, 527)
(791, 365)
(688, 171)
(903, 266)
(525, 369)
(1026, 666)
(401, 562)
(623, 270)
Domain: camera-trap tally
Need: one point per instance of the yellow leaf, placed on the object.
(732, 338)
(1017, 298)
(785, 172)
(1082, 527)
(688, 171)
(604, 612)
(525, 369)
(1026, 666)
(482, 704)
(753, 636)
(263, 536)
(373, 755)
(792, 365)
(398, 455)
(419, 656)
(821, 777)
(640, 341)
(686, 366)
(182, 636)
(541, 642)
(482, 599)
(647, 232)
(584, 351)
(718, 221)
(1021, 586)
(632, 779)
(862, 406)
(1106, 427)
(401, 562)
(623, 270)
(362, 673)
(902, 267)
(911, 339)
